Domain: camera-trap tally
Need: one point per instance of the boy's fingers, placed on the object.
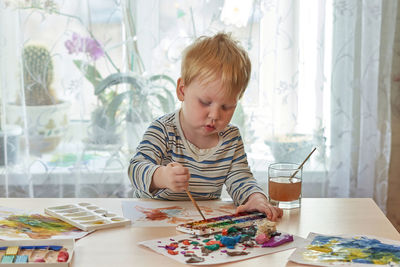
(280, 213)
(182, 171)
(179, 169)
(182, 178)
(267, 212)
(275, 213)
(241, 208)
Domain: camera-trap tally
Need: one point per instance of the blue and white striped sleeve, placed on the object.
(149, 154)
(240, 182)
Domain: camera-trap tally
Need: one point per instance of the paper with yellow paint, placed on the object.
(18, 224)
(348, 250)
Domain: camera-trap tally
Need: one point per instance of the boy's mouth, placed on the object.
(209, 127)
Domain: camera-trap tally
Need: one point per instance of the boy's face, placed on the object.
(206, 108)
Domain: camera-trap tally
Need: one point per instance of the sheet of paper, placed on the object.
(347, 250)
(171, 213)
(20, 224)
(216, 257)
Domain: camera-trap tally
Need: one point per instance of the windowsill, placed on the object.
(75, 164)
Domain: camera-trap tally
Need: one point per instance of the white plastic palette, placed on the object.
(87, 216)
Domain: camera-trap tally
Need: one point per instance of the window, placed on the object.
(114, 65)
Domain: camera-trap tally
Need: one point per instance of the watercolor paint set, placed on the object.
(86, 216)
(40, 253)
(217, 224)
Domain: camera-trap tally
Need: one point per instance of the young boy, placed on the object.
(195, 148)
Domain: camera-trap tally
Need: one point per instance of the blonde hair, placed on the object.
(217, 57)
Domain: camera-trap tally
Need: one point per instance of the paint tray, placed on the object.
(68, 244)
(87, 216)
(217, 224)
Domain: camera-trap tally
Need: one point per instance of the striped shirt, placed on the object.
(226, 163)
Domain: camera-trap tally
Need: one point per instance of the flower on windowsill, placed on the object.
(92, 49)
(79, 44)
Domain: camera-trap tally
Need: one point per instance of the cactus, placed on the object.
(38, 76)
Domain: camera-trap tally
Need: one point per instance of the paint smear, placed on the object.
(171, 214)
(331, 249)
(36, 226)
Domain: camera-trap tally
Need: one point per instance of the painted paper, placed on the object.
(18, 224)
(190, 249)
(170, 213)
(357, 250)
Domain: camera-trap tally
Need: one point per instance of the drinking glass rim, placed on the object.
(295, 166)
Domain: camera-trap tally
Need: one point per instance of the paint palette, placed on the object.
(217, 224)
(40, 253)
(86, 216)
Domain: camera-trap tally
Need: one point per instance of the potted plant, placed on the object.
(46, 116)
(290, 147)
(145, 98)
(134, 106)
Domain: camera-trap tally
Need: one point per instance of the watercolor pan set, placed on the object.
(46, 252)
(86, 216)
(217, 224)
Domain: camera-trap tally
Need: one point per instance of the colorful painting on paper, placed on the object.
(197, 250)
(17, 224)
(323, 250)
(155, 213)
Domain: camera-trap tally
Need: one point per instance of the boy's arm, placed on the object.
(240, 182)
(243, 187)
(148, 158)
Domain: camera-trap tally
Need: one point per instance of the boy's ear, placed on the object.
(180, 89)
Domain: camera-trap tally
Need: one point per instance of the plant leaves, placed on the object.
(90, 72)
(117, 78)
(162, 77)
(113, 107)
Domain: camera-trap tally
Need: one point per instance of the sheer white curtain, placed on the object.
(363, 39)
(52, 54)
(326, 68)
(320, 78)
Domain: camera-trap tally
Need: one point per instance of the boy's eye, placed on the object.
(227, 107)
(205, 103)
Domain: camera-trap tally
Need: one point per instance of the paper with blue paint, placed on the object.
(356, 250)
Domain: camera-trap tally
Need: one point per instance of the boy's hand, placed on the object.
(258, 202)
(173, 176)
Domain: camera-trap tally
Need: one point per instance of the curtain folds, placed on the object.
(363, 39)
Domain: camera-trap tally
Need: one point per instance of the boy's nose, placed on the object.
(214, 114)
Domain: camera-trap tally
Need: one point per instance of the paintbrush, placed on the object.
(195, 203)
(301, 165)
(190, 195)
